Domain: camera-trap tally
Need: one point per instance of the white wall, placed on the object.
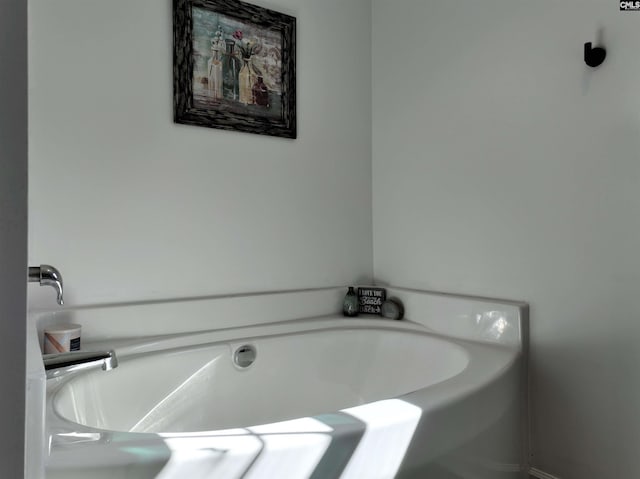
(503, 166)
(13, 232)
(132, 207)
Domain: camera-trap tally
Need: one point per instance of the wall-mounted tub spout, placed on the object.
(57, 365)
(47, 275)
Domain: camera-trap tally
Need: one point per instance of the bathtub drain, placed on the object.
(244, 356)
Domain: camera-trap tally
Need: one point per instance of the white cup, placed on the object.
(62, 338)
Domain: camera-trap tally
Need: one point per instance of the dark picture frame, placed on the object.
(234, 67)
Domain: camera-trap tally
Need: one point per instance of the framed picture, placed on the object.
(370, 300)
(234, 67)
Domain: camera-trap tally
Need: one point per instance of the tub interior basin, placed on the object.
(296, 375)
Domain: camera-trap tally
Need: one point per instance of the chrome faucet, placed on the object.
(47, 276)
(56, 365)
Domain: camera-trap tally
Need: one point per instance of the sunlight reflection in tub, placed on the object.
(494, 323)
(301, 448)
(156, 418)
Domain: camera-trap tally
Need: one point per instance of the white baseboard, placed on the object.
(537, 473)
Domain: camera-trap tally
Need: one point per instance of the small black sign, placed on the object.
(370, 300)
(629, 6)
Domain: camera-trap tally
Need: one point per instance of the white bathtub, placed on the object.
(325, 398)
(296, 375)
